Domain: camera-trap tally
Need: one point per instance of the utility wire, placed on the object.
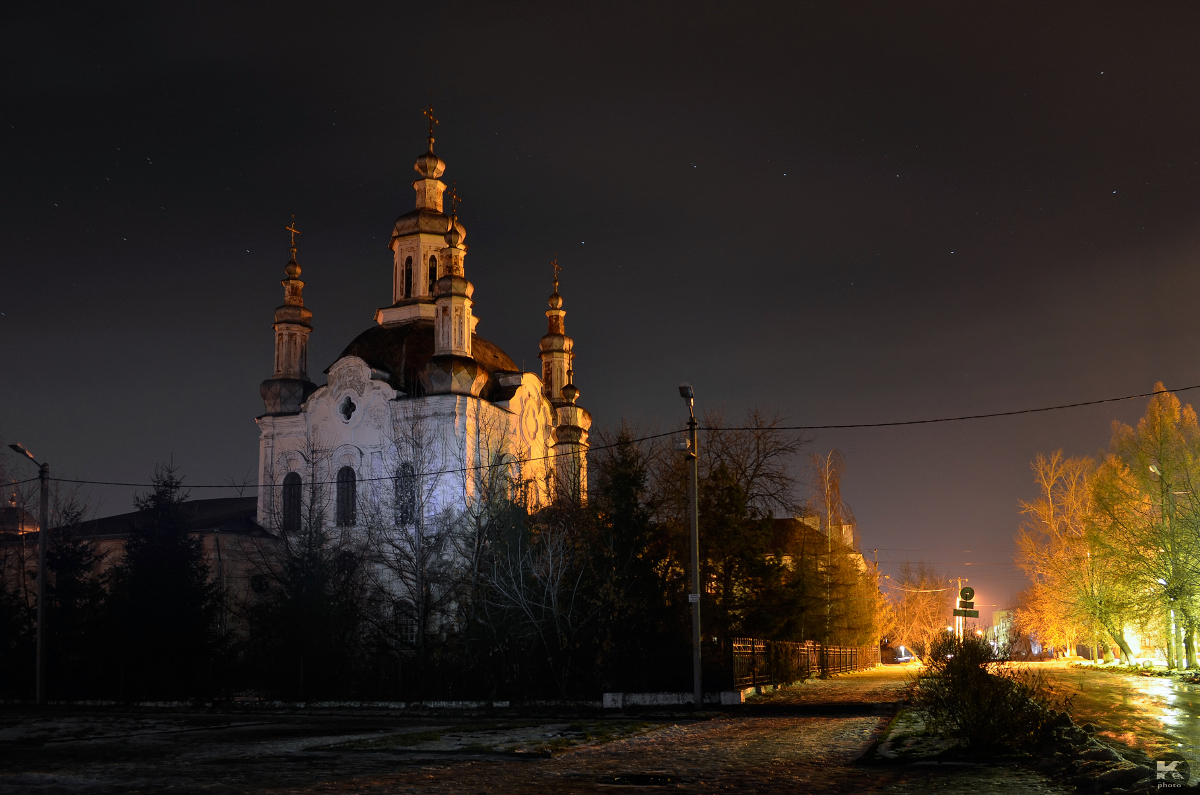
(844, 426)
(460, 470)
(961, 418)
(914, 590)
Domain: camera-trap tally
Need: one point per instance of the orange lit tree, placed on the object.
(1147, 504)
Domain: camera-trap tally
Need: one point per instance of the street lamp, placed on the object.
(39, 689)
(685, 392)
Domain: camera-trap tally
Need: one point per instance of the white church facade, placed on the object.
(419, 415)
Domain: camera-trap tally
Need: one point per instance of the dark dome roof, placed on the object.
(403, 351)
(425, 220)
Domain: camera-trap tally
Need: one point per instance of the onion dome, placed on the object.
(569, 392)
(429, 165)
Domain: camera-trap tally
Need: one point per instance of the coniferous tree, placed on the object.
(639, 642)
(163, 603)
(76, 600)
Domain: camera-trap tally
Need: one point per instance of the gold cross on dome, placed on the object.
(454, 200)
(294, 232)
(554, 264)
(432, 120)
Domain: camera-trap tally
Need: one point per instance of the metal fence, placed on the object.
(770, 662)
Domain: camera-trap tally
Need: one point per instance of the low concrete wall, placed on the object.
(625, 700)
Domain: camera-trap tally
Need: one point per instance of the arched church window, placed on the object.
(345, 497)
(408, 277)
(404, 618)
(406, 494)
(291, 503)
(433, 277)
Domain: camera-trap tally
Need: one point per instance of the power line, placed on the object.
(460, 470)
(961, 418)
(914, 590)
(844, 426)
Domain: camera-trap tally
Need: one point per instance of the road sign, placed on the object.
(966, 605)
(967, 613)
(967, 594)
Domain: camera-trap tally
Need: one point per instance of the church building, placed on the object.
(419, 416)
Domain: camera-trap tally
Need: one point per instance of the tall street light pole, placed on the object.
(43, 531)
(685, 391)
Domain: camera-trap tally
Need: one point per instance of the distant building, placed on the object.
(233, 543)
(15, 520)
(1002, 626)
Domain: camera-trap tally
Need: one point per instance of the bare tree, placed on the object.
(837, 521)
(921, 603)
(759, 456)
(307, 603)
(410, 516)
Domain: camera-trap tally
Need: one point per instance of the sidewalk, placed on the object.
(798, 740)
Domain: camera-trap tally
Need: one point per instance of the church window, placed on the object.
(458, 327)
(408, 277)
(346, 409)
(291, 503)
(404, 617)
(433, 277)
(346, 497)
(406, 494)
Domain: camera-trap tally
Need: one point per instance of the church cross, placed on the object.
(432, 120)
(554, 264)
(454, 200)
(294, 232)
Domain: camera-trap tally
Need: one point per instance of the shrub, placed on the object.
(965, 692)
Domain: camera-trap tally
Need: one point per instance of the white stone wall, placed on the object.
(359, 421)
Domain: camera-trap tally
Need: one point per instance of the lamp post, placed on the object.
(43, 530)
(685, 392)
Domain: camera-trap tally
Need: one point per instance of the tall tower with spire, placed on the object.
(417, 242)
(453, 367)
(572, 421)
(287, 388)
(556, 346)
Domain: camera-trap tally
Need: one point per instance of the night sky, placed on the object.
(844, 212)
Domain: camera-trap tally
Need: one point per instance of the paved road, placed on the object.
(802, 740)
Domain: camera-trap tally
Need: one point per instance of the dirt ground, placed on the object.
(804, 739)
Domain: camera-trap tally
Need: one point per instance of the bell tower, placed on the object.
(288, 387)
(417, 241)
(556, 346)
(572, 422)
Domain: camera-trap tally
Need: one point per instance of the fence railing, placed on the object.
(771, 662)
